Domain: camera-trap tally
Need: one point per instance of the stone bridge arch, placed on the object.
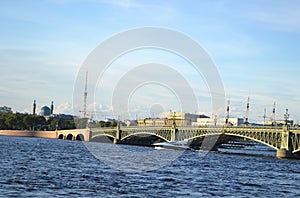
(80, 137)
(74, 134)
(70, 136)
(61, 136)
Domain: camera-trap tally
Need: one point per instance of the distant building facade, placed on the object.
(45, 111)
(130, 122)
(183, 119)
(279, 122)
(180, 119)
(217, 122)
(62, 116)
(152, 122)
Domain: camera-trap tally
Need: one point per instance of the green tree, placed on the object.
(39, 122)
(114, 123)
(81, 123)
(11, 121)
(29, 121)
(3, 124)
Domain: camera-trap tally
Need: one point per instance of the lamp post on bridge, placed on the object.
(118, 132)
(174, 120)
(174, 129)
(215, 120)
(286, 117)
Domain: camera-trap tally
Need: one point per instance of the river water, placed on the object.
(33, 167)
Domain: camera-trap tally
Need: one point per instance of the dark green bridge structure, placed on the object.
(285, 139)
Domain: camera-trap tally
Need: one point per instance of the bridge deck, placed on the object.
(274, 137)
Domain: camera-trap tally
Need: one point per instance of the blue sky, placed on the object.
(254, 44)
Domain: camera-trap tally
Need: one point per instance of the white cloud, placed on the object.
(65, 108)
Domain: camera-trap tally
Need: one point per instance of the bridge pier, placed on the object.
(174, 134)
(285, 150)
(117, 140)
(283, 153)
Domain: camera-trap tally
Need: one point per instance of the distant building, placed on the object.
(109, 120)
(217, 122)
(279, 122)
(5, 109)
(234, 121)
(184, 118)
(130, 122)
(152, 122)
(181, 119)
(63, 116)
(45, 111)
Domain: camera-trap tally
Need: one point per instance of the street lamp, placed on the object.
(286, 116)
(174, 121)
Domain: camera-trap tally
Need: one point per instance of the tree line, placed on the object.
(24, 121)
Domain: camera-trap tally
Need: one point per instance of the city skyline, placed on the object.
(254, 46)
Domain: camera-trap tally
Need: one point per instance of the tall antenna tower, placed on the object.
(85, 94)
(247, 112)
(227, 113)
(273, 115)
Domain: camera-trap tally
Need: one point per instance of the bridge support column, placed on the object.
(88, 135)
(174, 134)
(117, 140)
(174, 130)
(285, 150)
(283, 153)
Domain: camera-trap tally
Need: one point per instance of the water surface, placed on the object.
(58, 168)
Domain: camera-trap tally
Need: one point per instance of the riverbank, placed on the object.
(26, 133)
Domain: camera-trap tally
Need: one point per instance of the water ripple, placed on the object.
(44, 167)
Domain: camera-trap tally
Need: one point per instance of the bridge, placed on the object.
(286, 140)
